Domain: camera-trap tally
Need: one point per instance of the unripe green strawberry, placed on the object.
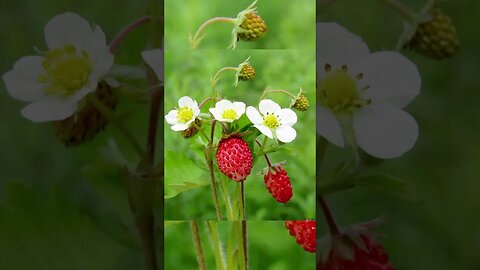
(254, 26)
(88, 121)
(436, 38)
(234, 158)
(301, 103)
(192, 129)
(305, 233)
(247, 73)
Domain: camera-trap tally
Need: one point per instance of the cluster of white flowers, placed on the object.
(270, 119)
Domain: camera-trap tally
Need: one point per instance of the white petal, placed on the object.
(286, 134)
(267, 105)
(392, 78)
(337, 46)
(329, 127)
(50, 108)
(239, 108)
(67, 28)
(223, 105)
(100, 55)
(21, 81)
(154, 59)
(265, 130)
(186, 101)
(217, 114)
(179, 126)
(287, 117)
(81, 93)
(385, 131)
(171, 117)
(254, 116)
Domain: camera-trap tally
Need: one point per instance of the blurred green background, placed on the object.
(189, 73)
(441, 232)
(66, 208)
(270, 246)
(290, 23)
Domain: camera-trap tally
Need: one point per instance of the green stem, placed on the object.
(216, 76)
(209, 158)
(197, 38)
(125, 31)
(216, 245)
(266, 92)
(245, 243)
(198, 245)
(266, 156)
(402, 9)
(226, 198)
(112, 118)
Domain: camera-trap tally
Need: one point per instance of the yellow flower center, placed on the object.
(339, 93)
(230, 114)
(65, 70)
(271, 121)
(185, 114)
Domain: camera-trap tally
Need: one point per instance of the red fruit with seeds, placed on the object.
(373, 256)
(305, 233)
(234, 158)
(278, 183)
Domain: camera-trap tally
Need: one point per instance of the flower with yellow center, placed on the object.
(185, 115)
(361, 95)
(227, 111)
(55, 82)
(273, 121)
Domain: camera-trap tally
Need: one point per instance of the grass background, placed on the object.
(290, 23)
(189, 73)
(441, 232)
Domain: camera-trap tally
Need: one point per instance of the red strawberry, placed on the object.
(234, 158)
(304, 232)
(373, 257)
(278, 183)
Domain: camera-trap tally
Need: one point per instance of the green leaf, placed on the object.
(182, 174)
(388, 184)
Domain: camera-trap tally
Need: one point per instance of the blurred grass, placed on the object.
(48, 219)
(270, 247)
(442, 231)
(189, 73)
(290, 23)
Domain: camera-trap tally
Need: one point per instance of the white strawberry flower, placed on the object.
(187, 113)
(154, 59)
(227, 111)
(361, 95)
(54, 83)
(273, 121)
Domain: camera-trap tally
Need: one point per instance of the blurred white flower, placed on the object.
(227, 111)
(77, 59)
(182, 118)
(273, 120)
(154, 59)
(361, 94)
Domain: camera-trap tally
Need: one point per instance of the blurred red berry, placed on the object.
(304, 232)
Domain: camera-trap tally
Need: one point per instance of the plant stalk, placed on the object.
(198, 245)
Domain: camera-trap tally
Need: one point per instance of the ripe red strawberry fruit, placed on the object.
(372, 256)
(278, 183)
(234, 158)
(305, 233)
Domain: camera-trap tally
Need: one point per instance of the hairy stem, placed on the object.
(245, 243)
(216, 245)
(209, 157)
(196, 39)
(332, 225)
(402, 9)
(198, 245)
(266, 156)
(266, 92)
(125, 31)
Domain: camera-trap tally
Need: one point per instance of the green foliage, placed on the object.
(188, 73)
